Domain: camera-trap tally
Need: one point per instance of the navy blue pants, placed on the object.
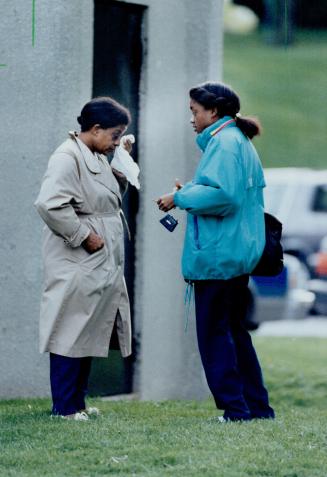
(229, 359)
(69, 380)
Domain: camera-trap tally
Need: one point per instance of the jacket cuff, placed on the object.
(177, 200)
(78, 237)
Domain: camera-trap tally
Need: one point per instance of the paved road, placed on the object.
(311, 326)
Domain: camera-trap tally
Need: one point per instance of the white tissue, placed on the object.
(124, 163)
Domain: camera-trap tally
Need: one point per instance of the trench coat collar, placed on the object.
(89, 158)
(204, 137)
(92, 162)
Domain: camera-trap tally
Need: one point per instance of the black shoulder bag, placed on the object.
(271, 262)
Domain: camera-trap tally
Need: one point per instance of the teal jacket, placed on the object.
(225, 233)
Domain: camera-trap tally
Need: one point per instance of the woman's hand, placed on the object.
(178, 185)
(166, 202)
(93, 243)
(128, 146)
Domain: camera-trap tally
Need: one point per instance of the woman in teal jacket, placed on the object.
(224, 240)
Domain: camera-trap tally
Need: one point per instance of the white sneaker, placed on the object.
(78, 416)
(221, 419)
(92, 411)
(81, 416)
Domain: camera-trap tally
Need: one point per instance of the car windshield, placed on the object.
(273, 195)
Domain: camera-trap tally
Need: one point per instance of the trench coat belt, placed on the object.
(100, 214)
(109, 214)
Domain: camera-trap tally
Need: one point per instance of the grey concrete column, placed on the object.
(184, 48)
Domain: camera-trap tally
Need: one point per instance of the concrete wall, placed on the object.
(42, 89)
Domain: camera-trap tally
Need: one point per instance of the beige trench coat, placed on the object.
(84, 294)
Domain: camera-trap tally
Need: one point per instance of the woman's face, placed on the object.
(201, 117)
(105, 141)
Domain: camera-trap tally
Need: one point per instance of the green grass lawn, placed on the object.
(286, 87)
(176, 438)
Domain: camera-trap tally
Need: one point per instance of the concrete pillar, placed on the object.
(184, 48)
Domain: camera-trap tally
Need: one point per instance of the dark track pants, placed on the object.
(229, 359)
(69, 380)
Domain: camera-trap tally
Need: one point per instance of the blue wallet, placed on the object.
(169, 222)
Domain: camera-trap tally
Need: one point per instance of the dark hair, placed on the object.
(227, 102)
(104, 111)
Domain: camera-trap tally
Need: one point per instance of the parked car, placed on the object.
(284, 297)
(298, 198)
(318, 284)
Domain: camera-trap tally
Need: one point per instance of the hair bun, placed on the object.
(79, 120)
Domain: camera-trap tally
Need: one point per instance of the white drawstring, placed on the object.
(188, 300)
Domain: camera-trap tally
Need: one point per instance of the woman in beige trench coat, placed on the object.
(84, 292)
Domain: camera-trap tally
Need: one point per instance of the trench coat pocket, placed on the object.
(94, 260)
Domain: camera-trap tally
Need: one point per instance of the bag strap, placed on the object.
(216, 131)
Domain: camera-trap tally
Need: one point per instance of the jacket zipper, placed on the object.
(196, 231)
(195, 218)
